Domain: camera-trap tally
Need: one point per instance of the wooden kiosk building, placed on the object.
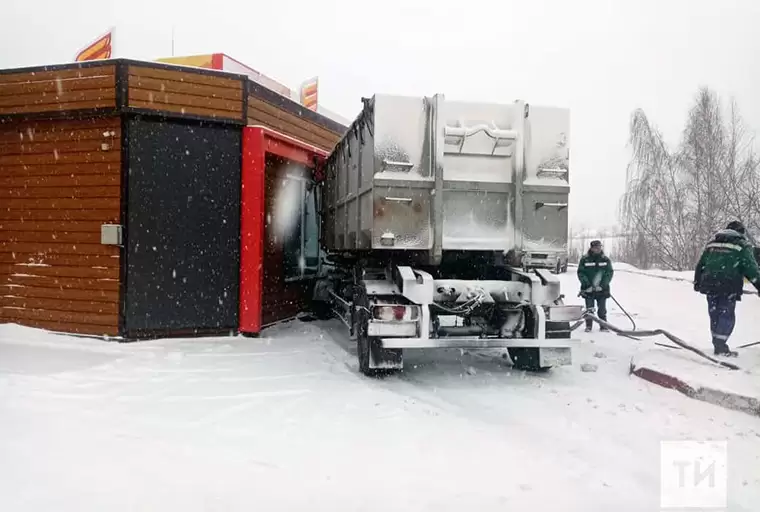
(122, 185)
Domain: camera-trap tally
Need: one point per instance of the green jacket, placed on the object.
(595, 270)
(724, 264)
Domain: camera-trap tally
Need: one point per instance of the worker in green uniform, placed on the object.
(726, 260)
(595, 273)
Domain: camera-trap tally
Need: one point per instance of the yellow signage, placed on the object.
(197, 61)
(309, 94)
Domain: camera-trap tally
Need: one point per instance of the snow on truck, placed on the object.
(433, 213)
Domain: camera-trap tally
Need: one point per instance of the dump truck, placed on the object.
(431, 212)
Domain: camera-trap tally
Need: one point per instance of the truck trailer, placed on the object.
(431, 212)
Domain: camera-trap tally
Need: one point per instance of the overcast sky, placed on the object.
(602, 59)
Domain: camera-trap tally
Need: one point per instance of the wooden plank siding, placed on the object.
(61, 177)
(29, 92)
(59, 181)
(186, 92)
(271, 110)
(128, 86)
(260, 112)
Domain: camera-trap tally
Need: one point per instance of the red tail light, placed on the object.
(396, 313)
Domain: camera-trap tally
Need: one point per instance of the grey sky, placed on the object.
(600, 58)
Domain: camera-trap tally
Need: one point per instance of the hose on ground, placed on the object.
(589, 314)
(633, 323)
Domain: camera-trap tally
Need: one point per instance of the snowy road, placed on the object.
(286, 423)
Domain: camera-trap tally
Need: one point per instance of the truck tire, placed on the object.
(526, 358)
(367, 347)
(363, 342)
(321, 309)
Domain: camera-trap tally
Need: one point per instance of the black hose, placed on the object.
(633, 323)
(588, 314)
(635, 333)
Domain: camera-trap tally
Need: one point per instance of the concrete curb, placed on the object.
(725, 399)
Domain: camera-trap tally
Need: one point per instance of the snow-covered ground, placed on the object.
(285, 422)
(673, 275)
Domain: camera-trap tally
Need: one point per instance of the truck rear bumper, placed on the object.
(475, 342)
(551, 353)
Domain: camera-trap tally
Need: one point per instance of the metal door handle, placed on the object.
(391, 163)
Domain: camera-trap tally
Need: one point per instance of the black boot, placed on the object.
(721, 349)
(589, 325)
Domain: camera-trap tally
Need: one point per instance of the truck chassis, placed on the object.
(431, 210)
(389, 307)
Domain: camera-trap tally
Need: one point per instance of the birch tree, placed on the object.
(676, 198)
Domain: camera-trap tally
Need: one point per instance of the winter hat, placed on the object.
(737, 226)
(596, 243)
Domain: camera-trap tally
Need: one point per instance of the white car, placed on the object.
(554, 261)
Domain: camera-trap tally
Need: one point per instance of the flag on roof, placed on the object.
(101, 48)
(309, 91)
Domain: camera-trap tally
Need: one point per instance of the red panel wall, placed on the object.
(263, 298)
(252, 230)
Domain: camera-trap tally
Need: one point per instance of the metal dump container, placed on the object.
(426, 174)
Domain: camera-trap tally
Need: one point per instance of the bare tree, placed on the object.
(677, 197)
(739, 188)
(653, 207)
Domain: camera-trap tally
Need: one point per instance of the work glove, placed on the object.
(598, 289)
(588, 290)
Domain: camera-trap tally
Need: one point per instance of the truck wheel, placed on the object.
(363, 349)
(526, 358)
(321, 309)
(363, 343)
(368, 348)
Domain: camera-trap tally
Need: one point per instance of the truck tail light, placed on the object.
(389, 313)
